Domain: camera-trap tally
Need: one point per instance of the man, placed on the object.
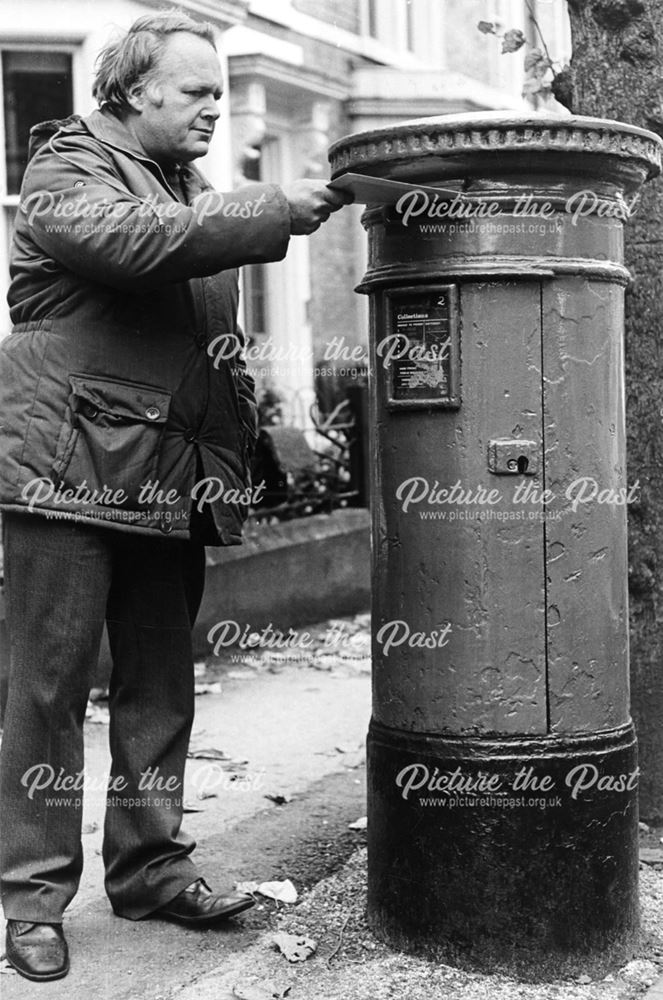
(114, 409)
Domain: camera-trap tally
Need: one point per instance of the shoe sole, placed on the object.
(230, 911)
(47, 977)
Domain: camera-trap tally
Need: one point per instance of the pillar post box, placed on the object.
(502, 770)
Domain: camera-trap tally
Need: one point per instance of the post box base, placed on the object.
(518, 854)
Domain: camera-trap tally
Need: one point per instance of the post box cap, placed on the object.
(464, 145)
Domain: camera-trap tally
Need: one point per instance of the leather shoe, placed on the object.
(37, 951)
(197, 905)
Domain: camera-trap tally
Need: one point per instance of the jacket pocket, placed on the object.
(110, 437)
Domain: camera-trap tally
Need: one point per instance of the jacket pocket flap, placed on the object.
(122, 400)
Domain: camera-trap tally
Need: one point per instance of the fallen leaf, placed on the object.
(347, 748)
(211, 754)
(98, 716)
(278, 799)
(90, 828)
(189, 808)
(214, 688)
(359, 824)
(282, 892)
(207, 795)
(295, 947)
(259, 991)
(250, 887)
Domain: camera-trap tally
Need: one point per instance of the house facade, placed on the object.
(299, 74)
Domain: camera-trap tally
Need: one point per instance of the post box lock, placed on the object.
(513, 457)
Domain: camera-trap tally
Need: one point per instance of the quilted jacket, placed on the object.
(124, 399)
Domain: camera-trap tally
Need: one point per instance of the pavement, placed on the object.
(274, 785)
(264, 726)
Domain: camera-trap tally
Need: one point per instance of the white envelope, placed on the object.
(379, 190)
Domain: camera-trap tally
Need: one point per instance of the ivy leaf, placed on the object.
(531, 86)
(536, 62)
(534, 86)
(513, 40)
(486, 28)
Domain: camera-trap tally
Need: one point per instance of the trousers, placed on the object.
(63, 581)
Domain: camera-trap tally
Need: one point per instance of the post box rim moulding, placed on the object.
(502, 138)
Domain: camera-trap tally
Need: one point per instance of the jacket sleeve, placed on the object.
(79, 211)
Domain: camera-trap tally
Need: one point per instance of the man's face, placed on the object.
(177, 104)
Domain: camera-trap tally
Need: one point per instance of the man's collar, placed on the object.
(109, 128)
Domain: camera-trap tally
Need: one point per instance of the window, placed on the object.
(410, 26)
(373, 20)
(37, 87)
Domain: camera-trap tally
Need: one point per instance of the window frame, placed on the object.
(9, 202)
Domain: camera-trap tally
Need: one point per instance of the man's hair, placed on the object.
(133, 57)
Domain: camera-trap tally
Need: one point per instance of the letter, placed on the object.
(413, 782)
(581, 482)
(332, 349)
(231, 210)
(224, 629)
(209, 496)
(581, 778)
(393, 350)
(630, 496)
(32, 205)
(207, 777)
(443, 640)
(226, 345)
(412, 485)
(409, 210)
(37, 491)
(37, 777)
(391, 640)
(257, 205)
(256, 491)
(206, 204)
(83, 495)
(582, 198)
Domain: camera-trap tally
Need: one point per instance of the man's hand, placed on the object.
(311, 203)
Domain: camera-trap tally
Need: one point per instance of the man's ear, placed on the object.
(136, 97)
(144, 92)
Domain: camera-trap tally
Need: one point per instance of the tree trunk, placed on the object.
(617, 72)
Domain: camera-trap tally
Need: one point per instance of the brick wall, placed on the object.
(341, 13)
